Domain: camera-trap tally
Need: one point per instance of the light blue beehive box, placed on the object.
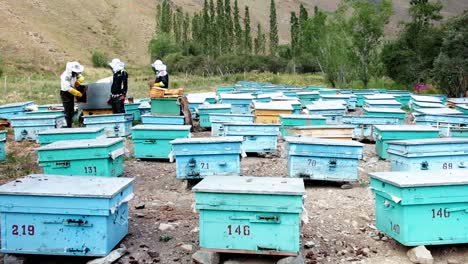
(27, 127)
(162, 120)
(424, 99)
(462, 108)
(386, 133)
(61, 215)
(49, 107)
(437, 111)
(350, 99)
(3, 135)
(45, 113)
(418, 105)
(428, 154)
(382, 104)
(258, 138)
(134, 110)
(153, 141)
(308, 97)
(115, 125)
(52, 135)
(86, 157)
(379, 96)
(205, 110)
(459, 132)
(360, 96)
(290, 121)
(240, 103)
(144, 108)
(364, 125)
(332, 110)
(217, 121)
(9, 111)
(421, 208)
(324, 159)
(388, 112)
(259, 215)
(197, 158)
(446, 123)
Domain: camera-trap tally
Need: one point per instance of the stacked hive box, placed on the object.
(27, 127)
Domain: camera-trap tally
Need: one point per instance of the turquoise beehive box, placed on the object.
(462, 108)
(162, 120)
(259, 215)
(3, 135)
(364, 125)
(86, 157)
(205, 110)
(27, 127)
(421, 208)
(9, 111)
(61, 215)
(44, 113)
(165, 106)
(428, 154)
(144, 108)
(240, 103)
(217, 121)
(418, 105)
(257, 138)
(52, 135)
(134, 110)
(389, 112)
(437, 111)
(324, 159)
(459, 132)
(360, 96)
(308, 97)
(382, 104)
(153, 141)
(385, 133)
(290, 121)
(115, 125)
(197, 158)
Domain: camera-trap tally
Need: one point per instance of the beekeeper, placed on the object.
(119, 86)
(162, 77)
(68, 92)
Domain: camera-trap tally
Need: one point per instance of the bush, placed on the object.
(99, 59)
(162, 45)
(1, 66)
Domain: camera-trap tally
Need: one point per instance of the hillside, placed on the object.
(43, 34)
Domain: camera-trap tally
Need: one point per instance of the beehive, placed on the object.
(165, 106)
(324, 159)
(385, 133)
(418, 105)
(259, 215)
(61, 215)
(421, 208)
(9, 111)
(204, 112)
(428, 154)
(115, 125)
(382, 104)
(134, 110)
(45, 113)
(240, 103)
(268, 113)
(445, 123)
(328, 131)
(217, 121)
(162, 120)
(52, 135)
(388, 112)
(437, 111)
(290, 121)
(27, 127)
(258, 138)
(364, 125)
(308, 97)
(197, 158)
(459, 132)
(86, 157)
(153, 141)
(332, 110)
(3, 135)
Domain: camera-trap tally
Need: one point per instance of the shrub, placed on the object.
(99, 59)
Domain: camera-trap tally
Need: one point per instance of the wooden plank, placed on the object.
(232, 251)
(89, 112)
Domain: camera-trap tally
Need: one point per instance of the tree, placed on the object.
(259, 46)
(206, 27)
(424, 12)
(237, 29)
(165, 17)
(367, 31)
(220, 27)
(247, 37)
(303, 16)
(294, 24)
(451, 65)
(228, 25)
(273, 29)
(162, 45)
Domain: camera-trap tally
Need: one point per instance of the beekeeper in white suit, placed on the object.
(162, 77)
(119, 86)
(70, 79)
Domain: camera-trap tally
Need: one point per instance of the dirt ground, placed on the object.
(340, 227)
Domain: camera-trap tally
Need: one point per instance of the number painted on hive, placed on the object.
(205, 166)
(440, 213)
(90, 169)
(395, 227)
(311, 162)
(447, 166)
(239, 230)
(22, 230)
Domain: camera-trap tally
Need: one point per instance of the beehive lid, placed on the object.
(252, 124)
(207, 140)
(422, 178)
(162, 116)
(336, 106)
(55, 185)
(321, 141)
(439, 111)
(429, 105)
(384, 110)
(82, 143)
(109, 115)
(16, 104)
(336, 96)
(230, 115)
(463, 100)
(424, 98)
(308, 93)
(161, 127)
(302, 116)
(385, 102)
(430, 141)
(37, 117)
(236, 96)
(405, 128)
(251, 185)
(463, 106)
(273, 106)
(214, 106)
(379, 96)
(71, 130)
(325, 127)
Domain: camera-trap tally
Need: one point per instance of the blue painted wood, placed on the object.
(134, 110)
(265, 211)
(162, 120)
(445, 123)
(324, 159)
(382, 104)
(437, 111)
(115, 125)
(217, 121)
(74, 216)
(364, 125)
(240, 103)
(153, 141)
(428, 154)
(459, 132)
(205, 110)
(200, 157)
(52, 135)
(86, 157)
(48, 107)
(27, 127)
(3, 134)
(408, 204)
(258, 138)
(425, 98)
(14, 110)
(394, 112)
(44, 113)
(144, 108)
